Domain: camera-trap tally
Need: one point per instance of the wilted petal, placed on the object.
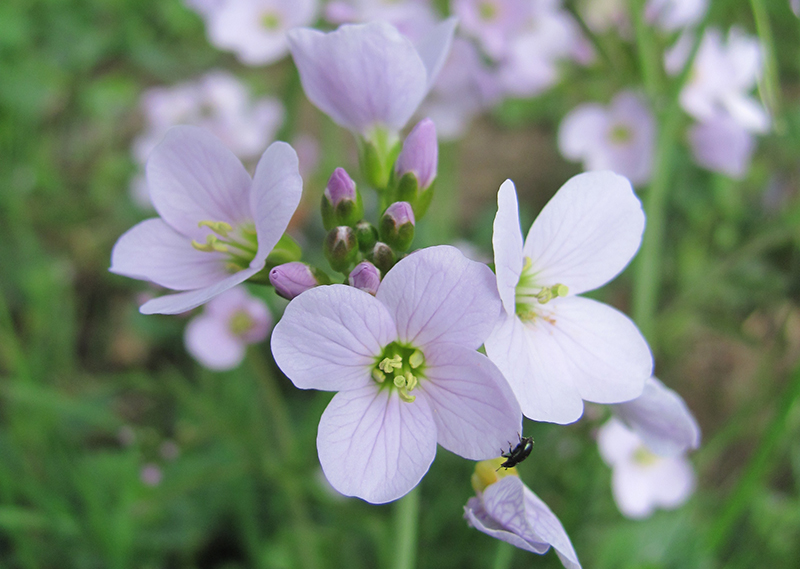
(587, 233)
(183, 301)
(193, 177)
(277, 187)
(154, 251)
(362, 75)
(475, 411)
(209, 340)
(507, 244)
(373, 445)
(330, 336)
(529, 357)
(660, 417)
(438, 295)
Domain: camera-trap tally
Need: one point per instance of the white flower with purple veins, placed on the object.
(620, 137)
(255, 30)
(216, 225)
(721, 144)
(555, 348)
(723, 75)
(405, 365)
(218, 338)
(506, 509)
(642, 480)
(369, 78)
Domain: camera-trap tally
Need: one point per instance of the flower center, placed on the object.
(530, 294)
(240, 245)
(643, 457)
(399, 366)
(271, 20)
(487, 10)
(240, 323)
(620, 134)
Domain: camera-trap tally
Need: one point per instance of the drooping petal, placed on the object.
(276, 191)
(330, 336)
(193, 177)
(507, 244)
(587, 233)
(183, 301)
(361, 75)
(660, 417)
(438, 295)
(548, 528)
(373, 445)
(475, 411)
(542, 382)
(599, 348)
(435, 47)
(209, 341)
(154, 251)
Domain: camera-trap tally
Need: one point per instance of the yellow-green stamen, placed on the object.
(240, 244)
(530, 294)
(396, 364)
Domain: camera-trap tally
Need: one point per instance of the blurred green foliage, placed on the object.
(92, 393)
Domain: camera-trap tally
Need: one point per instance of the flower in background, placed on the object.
(412, 18)
(216, 225)
(620, 137)
(405, 365)
(673, 15)
(151, 475)
(218, 102)
(555, 348)
(255, 30)
(218, 338)
(720, 144)
(506, 509)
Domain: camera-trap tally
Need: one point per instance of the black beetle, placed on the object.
(518, 453)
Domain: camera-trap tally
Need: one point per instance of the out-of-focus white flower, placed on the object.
(255, 30)
(672, 15)
(412, 18)
(721, 144)
(620, 137)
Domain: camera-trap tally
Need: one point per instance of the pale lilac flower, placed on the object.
(660, 418)
(151, 474)
(721, 144)
(493, 22)
(405, 365)
(620, 137)
(641, 480)
(723, 74)
(255, 30)
(673, 15)
(602, 15)
(169, 450)
(218, 338)
(412, 18)
(557, 349)
(508, 510)
(420, 154)
(217, 225)
(369, 78)
(795, 4)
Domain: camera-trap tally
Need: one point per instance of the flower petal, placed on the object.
(183, 301)
(209, 341)
(587, 233)
(507, 244)
(277, 187)
(475, 411)
(193, 177)
(330, 336)
(154, 251)
(435, 47)
(660, 417)
(438, 295)
(547, 527)
(582, 131)
(360, 75)
(542, 383)
(373, 445)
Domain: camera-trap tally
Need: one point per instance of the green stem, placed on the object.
(503, 556)
(768, 85)
(648, 53)
(759, 466)
(406, 515)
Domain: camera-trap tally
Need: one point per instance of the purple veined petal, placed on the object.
(435, 47)
(330, 338)
(361, 75)
(209, 341)
(438, 295)
(582, 130)
(373, 445)
(183, 301)
(587, 233)
(154, 251)
(661, 419)
(548, 528)
(277, 187)
(475, 411)
(541, 380)
(193, 177)
(606, 356)
(507, 244)
(479, 518)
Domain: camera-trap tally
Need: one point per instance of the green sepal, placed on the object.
(346, 212)
(341, 250)
(286, 250)
(367, 235)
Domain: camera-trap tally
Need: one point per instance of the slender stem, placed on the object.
(768, 85)
(406, 515)
(503, 556)
(648, 52)
(759, 466)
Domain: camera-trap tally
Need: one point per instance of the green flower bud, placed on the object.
(382, 257)
(341, 248)
(367, 235)
(396, 227)
(341, 202)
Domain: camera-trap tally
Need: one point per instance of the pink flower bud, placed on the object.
(366, 277)
(420, 154)
(291, 279)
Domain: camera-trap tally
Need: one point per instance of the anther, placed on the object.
(416, 359)
(378, 375)
(219, 227)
